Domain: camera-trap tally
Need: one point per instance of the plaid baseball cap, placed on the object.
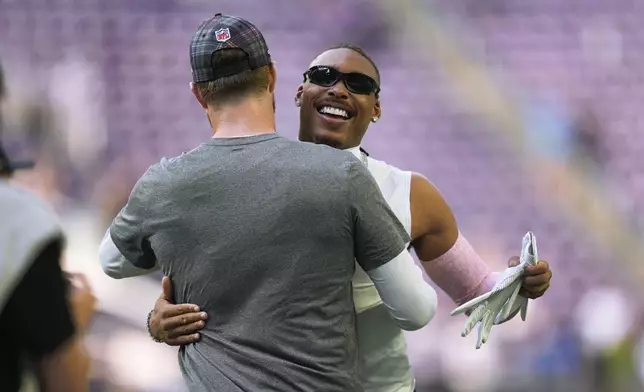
(226, 32)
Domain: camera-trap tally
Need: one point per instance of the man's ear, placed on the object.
(197, 94)
(298, 95)
(272, 72)
(377, 110)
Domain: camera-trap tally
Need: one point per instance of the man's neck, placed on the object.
(249, 118)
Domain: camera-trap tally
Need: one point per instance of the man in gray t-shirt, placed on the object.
(263, 232)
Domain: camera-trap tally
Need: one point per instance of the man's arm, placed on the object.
(125, 250)
(448, 258)
(380, 249)
(114, 264)
(39, 316)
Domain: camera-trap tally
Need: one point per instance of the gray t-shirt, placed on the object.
(262, 232)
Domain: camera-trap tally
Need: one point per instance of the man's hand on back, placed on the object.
(175, 325)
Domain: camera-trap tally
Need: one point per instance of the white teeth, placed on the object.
(334, 111)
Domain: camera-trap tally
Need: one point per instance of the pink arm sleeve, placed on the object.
(460, 272)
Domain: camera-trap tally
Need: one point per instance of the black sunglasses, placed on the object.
(355, 82)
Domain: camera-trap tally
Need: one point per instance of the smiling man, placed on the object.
(338, 100)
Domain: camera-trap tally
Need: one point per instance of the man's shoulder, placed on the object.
(20, 202)
(314, 149)
(163, 169)
(168, 165)
(323, 156)
(10, 193)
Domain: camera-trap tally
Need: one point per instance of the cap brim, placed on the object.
(20, 165)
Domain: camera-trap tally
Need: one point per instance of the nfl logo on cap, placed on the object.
(222, 35)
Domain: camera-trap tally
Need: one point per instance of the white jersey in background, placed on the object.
(384, 364)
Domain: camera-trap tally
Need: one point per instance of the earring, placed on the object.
(375, 119)
(298, 103)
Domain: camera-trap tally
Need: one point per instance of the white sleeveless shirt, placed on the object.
(384, 365)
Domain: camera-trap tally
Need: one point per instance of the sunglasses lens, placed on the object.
(324, 76)
(360, 84)
(355, 82)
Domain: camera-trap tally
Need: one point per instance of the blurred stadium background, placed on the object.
(527, 115)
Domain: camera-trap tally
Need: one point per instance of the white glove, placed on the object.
(495, 306)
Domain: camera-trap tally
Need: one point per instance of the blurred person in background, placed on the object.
(264, 232)
(42, 330)
(338, 100)
(588, 137)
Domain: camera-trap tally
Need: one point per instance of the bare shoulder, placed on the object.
(421, 187)
(426, 196)
(430, 212)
